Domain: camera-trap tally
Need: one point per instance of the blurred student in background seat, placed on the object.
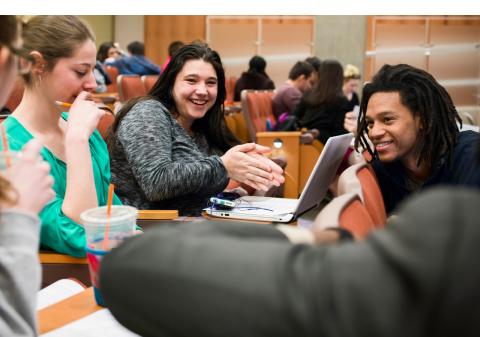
(255, 78)
(300, 80)
(324, 107)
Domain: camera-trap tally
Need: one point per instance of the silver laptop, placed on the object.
(286, 210)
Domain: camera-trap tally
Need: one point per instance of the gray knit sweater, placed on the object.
(19, 273)
(156, 164)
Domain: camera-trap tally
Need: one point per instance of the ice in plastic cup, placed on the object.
(8, 158)
(121, 222)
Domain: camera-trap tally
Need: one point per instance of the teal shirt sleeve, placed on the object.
(59, 232)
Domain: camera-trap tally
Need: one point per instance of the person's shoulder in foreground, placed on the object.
(422, 270)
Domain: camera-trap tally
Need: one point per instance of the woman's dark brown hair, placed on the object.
(212, 125)
(328, 88)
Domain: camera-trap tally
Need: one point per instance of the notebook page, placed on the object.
(57, 291)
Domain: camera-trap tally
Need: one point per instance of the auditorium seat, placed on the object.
(104, 124)
(130, 86)
(149, 81)
(257, 110)
(230, 87)
(16, 95)
(241, 128)
(113, 74)
(360, 179)
(346, 212)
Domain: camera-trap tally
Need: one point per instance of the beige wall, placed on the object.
(342, 38)
(117, 28)
(128, 28)
(339, 37)
(102, 26)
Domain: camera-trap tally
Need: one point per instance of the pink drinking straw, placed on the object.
(111, 187)
(6, 150)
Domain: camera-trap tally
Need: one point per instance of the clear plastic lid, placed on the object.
(119, 213)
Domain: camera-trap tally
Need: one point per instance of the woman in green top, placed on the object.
(64, 54)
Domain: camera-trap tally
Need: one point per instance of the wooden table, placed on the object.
(57, 266)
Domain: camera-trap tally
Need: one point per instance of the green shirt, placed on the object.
(59, 232)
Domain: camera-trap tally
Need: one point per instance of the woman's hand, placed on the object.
(83, 116)
(277, 171)
(350, 122)
(30, 180)
(246, 164)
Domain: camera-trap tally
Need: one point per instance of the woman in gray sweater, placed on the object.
(25, 187)
(172, 150)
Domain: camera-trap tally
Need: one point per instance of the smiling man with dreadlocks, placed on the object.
(412, 123)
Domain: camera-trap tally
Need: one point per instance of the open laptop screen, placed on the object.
(323, 173)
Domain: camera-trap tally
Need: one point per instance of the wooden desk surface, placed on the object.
(66, 311)
(83, 304)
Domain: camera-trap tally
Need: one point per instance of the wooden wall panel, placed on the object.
(160, 30)
(369, 46)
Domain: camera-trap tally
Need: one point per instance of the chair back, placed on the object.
(149, 81)
(231, 123)
(241, 127)
(360, 179)
(347, 212)
(104, 124)
(130, 86)
(113, 73)
(257, 109)
(230, 86)
(309, 154)
(16, 95)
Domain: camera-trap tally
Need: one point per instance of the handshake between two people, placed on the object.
(247, 163)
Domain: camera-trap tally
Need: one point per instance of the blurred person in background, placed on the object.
(107, 53)
(173, 47)
(351, 82)
(136, 63)
(300, 80)
(324, 107)
(255, 78)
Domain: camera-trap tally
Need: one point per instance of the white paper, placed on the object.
(264, 206)
(99, 324)
(57, 291)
